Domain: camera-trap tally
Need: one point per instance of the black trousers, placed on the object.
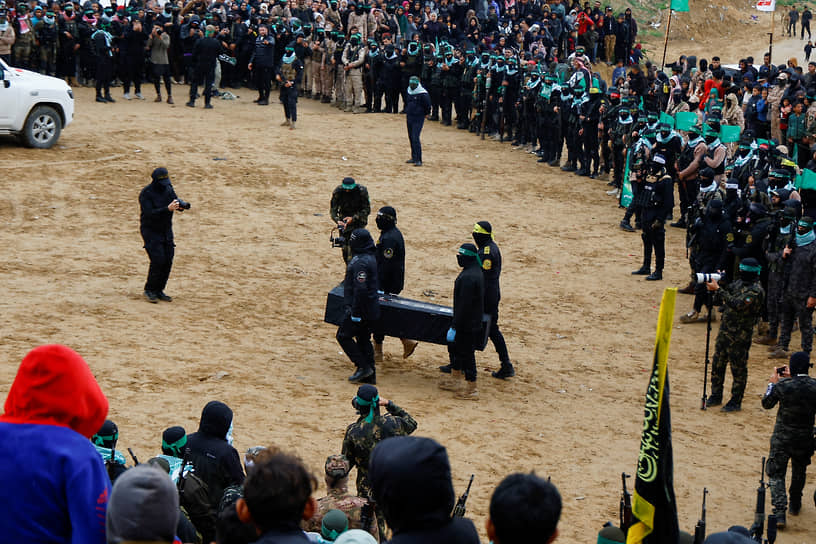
(162, 72)
(104, 73)
(288, 97)
(497, 338)
(414, 130)
(462, 354)
(653, 238)
(355, 339)
(132, 73)
(208, 77)
(161, 262)
(263, 76)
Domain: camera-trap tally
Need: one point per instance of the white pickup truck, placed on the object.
(34, 107)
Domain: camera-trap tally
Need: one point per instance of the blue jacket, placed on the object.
(417, 105)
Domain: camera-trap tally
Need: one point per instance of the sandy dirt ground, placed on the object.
(253, 266)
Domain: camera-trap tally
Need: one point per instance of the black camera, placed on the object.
(183, 205)
(781, 370)
(159, 31)
(339, 240)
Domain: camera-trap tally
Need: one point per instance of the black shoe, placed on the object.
(418, 163)
(553, 163)
(109, 98)
(190, 104)
(165, 298)
(361, 373)
(655, 276)
(681, 224)
(506, 371)
(371, 379)
(713, 400)
(780, 520)
(151, 297)
(731, 406)
(100, 98)
(263, 102)
(447, 370)
(626, 226)
(568, 168)
(642, 271)
(409, 161)
(208, 106)
(795, 506)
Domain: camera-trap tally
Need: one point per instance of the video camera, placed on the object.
(706, 278)
(183, 205)
(340, 239)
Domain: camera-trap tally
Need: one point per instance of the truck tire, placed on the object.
(42, 128)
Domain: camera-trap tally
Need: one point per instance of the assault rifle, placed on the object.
(708, 343)
(484, 104)
(625, 505)
(757, 529)
(700, 528)
(459, 509)
(133, 456)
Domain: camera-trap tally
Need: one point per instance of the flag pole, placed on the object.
(770, 36)
(666, 42)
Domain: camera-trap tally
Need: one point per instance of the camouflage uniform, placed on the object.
(800, 285)
(352, 203)
(792, 437)
(341, 499)
(743, 306)
(361, 438)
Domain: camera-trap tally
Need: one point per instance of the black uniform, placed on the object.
(390, 263)
(468, 307)
(215, 460)
(362, 305)
(657, 199)
(205, 55)
(491, 259)
(157, 230)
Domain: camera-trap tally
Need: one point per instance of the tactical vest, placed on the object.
(288, 71)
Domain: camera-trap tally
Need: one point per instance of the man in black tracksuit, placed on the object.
(468, 307)
(215, 460)
(362, 306)
(205, 55)
(158, 201)
(390, 271)
(262, 64)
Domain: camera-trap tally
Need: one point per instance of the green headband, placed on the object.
(332, 534)
(746, 268)
(371, 404)
(100, 439)
(177, 445)
(469, 253)
(805, 224)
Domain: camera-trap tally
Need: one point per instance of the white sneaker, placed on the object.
(139, 96)
(613, 192)
(127, 96)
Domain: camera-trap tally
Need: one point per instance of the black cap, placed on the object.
(160, 173)
(389, 212)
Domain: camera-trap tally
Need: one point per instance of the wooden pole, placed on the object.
(666, 42)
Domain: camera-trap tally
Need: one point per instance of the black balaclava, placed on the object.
(216, 420)
(482, 233)
(161, 177)
(749, 270)
(386, 218)
(107, 436)
(467, 255)
(174, 440)
(714, 210)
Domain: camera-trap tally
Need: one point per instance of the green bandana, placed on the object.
(176, 446)
(469, 253)
(745, 268)
(100, 439)
(371, 404)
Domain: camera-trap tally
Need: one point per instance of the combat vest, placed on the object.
(288, 71)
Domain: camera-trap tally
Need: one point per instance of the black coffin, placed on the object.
(406, 318)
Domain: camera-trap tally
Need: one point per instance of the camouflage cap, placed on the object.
(337, 466)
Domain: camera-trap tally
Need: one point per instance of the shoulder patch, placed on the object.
(388, 253)
(487, 264)
(729, 237)
(749, 239)
(486, 250)
(362, 276)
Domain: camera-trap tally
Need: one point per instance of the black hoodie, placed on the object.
(411, 481)
(360, 285)
(215, 461)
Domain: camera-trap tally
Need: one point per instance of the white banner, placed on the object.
(766, 5)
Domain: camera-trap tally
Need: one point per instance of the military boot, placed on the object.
(378, 353)
(714, 399)
(779, 353)
(688, 289)
(506, 371)
(408, 347)
(766, 340)
(780, 520)
(451, 382)
(361, 373)
(446, 369)
(691, 317)
(468, 392)
(732, 406)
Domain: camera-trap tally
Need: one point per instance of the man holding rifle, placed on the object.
(792, 438)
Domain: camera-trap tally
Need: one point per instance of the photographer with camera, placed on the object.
(159, 44)
(744, 300)
(709, 237)
(158, 201)
(349, 209)
(792, 437)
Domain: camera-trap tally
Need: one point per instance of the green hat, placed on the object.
(334, 523)
(806, 222)
(349, 183)
(414, 79)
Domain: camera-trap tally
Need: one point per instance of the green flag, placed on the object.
(666, 118)
(807, 180)
(680, 5)
(685, 120)
(729, 133)
(626, 193)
